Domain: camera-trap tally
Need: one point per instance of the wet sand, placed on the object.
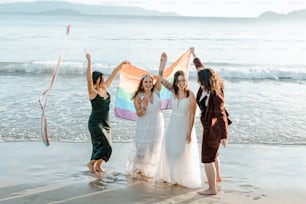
(33, 173)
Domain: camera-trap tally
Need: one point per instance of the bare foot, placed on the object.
(98, 175)
(139, 172)
(90, 167)
(101, 170)
(207, 192)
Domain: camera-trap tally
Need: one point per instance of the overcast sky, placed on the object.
(225, 8)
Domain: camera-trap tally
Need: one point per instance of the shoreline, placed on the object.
(33, 173)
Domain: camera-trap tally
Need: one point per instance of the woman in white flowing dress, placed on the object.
(179, 161)
(145, 151)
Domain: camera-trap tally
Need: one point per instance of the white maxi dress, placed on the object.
(179, 161)
(145, 151)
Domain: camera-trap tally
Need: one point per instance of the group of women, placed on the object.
(169, 155)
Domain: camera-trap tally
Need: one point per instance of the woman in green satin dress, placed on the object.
(98, 123)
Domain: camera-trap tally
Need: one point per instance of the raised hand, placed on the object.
(163, 62)
(125, 62)
(88, 57)
(192, 51)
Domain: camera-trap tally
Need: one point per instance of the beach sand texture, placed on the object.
(33, 173)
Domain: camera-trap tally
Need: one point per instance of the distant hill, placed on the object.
(66, 8)
(270, 15)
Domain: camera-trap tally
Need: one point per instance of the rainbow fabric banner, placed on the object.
(129, 79)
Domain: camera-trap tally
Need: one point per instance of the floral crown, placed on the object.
(146, 76)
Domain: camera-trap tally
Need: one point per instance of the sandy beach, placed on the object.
(33, 173)
(261, 58)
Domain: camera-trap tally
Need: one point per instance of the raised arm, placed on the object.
(165, 82)
(196, 61)
(193, 106)
(162, 65)
(91, 90)
(115, 72)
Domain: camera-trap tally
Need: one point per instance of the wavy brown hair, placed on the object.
(140, 87)
(211, 81)
(175, 81)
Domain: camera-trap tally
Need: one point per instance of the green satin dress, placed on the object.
(99, 128)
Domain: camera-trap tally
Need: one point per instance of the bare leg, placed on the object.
(90, 166)
(98, 170)
(211, 177)
(98, 166)
(218, 174)
(217, 165)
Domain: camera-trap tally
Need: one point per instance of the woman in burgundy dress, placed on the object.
(210, 100)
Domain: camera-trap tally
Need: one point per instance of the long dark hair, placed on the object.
(140, 87)
(175, 81)
(95, 76)
(211, 81)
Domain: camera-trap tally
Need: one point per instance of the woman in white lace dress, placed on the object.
(145, 151)
(179, 161)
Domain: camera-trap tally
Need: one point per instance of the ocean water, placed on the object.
(263, 64)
